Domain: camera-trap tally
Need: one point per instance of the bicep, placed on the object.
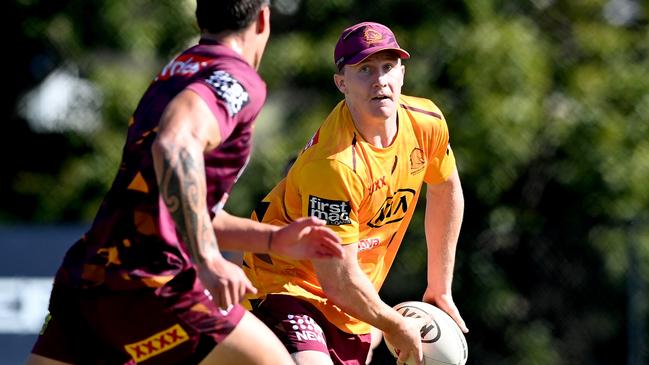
(451, 186)
(188, 120)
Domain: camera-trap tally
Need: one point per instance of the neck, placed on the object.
(240, 43)
(378, 132)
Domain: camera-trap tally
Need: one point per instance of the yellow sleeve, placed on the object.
(440, 155)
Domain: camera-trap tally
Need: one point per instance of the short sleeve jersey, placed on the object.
(367, 195)
(133, 242)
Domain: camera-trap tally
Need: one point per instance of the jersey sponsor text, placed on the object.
(335, 212)
(160, 342)
(307, 335)
(368, 243)
(378, 183)
(305, 328)
(185, 65)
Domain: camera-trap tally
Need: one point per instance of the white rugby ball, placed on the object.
(442, 341)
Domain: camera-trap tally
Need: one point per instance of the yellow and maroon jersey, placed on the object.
(366, 194)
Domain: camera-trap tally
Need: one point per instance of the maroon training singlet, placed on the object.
(133, 242)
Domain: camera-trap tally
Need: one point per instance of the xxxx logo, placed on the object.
(377, 184)
(158, 343)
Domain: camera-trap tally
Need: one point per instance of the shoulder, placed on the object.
(326, 182)
(225, 72)
(229, 84)
(421, 108)
(232, 76)
(334, 142)
(329, 170)
(424, 116)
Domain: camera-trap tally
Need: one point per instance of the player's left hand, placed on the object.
(445, 302)
(307, 238)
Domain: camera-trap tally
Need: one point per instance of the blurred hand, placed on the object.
(226, 281)
(306, 238)
(406, 339)
(445, 303)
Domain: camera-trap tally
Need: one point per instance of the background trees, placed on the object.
(548, 106)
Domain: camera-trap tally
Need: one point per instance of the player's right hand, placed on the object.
(226, 282)
(406, 339)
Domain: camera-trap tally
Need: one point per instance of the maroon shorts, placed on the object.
(139, 326)
(301, 327)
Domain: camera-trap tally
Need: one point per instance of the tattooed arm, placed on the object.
(187, 129)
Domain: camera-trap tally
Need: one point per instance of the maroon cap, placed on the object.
(359, 41)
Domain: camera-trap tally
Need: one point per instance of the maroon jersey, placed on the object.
(133, 242)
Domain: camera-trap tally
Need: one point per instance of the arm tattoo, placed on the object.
(182, 185)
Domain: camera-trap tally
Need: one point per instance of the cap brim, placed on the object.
(360, 56)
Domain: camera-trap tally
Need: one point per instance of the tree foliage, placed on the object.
(548, 107)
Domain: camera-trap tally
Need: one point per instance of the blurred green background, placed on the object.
(547, 102)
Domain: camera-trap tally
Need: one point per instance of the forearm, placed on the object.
(347, 287)
(242, 234)
(180, 173)
(444, 212)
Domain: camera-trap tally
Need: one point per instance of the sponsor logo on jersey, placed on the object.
(304, 328)
(377, 184)
(184, 65)
(430, 332)
(229, 90)
(394, 208)
(157, 344)
(335, 212)
(368, 243)
(417, 161)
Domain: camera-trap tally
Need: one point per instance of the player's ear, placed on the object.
(263, 19)
(339, 80)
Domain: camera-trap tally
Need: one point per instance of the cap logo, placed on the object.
(362, 40)
(371, 36)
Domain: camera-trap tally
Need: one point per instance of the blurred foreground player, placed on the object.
(147, 283)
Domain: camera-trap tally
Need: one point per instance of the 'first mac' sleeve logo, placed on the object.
(335, 212)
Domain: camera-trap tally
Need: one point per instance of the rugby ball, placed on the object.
(442, 341)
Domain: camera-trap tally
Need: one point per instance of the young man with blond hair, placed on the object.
(361, 172)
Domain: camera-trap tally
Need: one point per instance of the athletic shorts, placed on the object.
(301, 327)
(94, 326)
